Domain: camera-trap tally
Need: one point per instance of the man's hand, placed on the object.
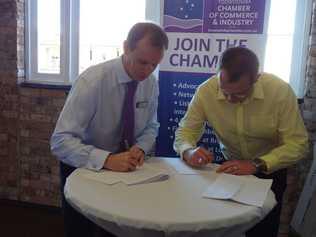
(237, 167)
(122, 162)
(198, 157)
(138, 154)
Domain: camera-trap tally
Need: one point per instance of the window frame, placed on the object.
(303, 20)
(69, 41)
(31, 49)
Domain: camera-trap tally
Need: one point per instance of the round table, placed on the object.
(173, 207)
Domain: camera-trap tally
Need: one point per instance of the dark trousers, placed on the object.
(77, 225)
(269, 226)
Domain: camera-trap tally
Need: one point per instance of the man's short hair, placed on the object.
(158, 37)
(239, 61)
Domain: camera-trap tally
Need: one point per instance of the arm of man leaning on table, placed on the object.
(146, 139)
(66, 141)
(191, 126)
(292, 134)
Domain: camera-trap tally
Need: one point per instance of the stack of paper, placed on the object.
(244, 189)
(143, 174)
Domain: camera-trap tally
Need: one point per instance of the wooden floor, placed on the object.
(28, 220)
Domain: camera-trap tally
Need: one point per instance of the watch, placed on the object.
(260, 165)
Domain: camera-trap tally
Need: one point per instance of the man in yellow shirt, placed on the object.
(257, 121)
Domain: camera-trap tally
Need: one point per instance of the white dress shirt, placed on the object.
(89, 127)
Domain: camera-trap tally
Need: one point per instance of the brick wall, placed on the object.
(309, 109)
(9, 101)
(39, 175)
(28, 171)
(297, 174)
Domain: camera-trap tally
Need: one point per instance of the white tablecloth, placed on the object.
(174, 207)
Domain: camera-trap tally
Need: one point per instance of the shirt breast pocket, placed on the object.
(141, 114)
(262, 126)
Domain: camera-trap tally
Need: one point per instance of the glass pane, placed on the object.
(278, 55)
(103, 28)
(282, 17)
(48, 36)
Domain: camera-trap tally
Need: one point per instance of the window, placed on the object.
(66, 37)
(48, 40)
(107, 18)
(280, 38)
(286, 49)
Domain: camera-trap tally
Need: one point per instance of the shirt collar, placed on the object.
(121, 73)
(257, 91)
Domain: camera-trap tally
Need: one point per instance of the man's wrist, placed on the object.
(140, 148)
(260, 165)
(184, 147)
(106, 161)
(186, 154)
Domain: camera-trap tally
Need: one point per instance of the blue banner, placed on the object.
(199, 31)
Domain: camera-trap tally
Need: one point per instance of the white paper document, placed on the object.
(244, 189)
(143, 174)
(182, 168)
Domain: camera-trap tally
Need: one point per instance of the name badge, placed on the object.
(142, 104)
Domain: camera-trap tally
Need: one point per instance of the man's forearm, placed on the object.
(72, 151)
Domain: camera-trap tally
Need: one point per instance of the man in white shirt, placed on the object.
(109, 120)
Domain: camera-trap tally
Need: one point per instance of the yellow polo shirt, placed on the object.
(267, 125)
